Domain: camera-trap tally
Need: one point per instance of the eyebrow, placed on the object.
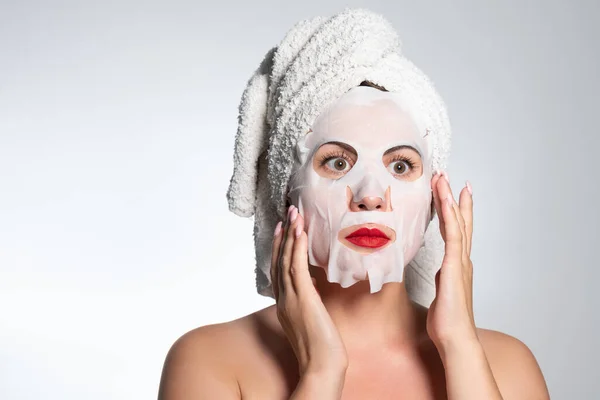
(349, 148)
(345, 146)
(404, 146)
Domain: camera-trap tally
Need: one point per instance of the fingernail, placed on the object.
(289, 211)
(469, 188)
(294, 214)
(445, 175)
(298, 231)
(277, 228)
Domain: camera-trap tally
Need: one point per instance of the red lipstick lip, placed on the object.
(373, 232)
(365, 237)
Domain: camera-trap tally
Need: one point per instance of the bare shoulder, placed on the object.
(196, 366)
(226, 360)
(514, 366)
(202, 363)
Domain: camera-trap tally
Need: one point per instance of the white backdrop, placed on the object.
(117, 123)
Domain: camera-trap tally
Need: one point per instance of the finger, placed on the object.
(299, 267)
(465, 264)
(453, 233)
(434, 190)
(466, 209)
(277, 237)
(443, 190)
(461, 224)
(286, 255)
(435, 178)
(446, 192)
(439, 202)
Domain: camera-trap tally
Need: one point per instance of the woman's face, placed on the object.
(361, 181)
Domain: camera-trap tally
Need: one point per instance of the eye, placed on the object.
(401, 165)
(338, 164)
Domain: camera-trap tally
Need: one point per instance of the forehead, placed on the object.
(367, 117)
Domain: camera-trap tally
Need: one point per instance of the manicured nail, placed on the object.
(469, 188)
(445, 175)
(277, 229)
(294, 214)
(298, 231)
(289, 211)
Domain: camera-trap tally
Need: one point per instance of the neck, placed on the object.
(388, 318)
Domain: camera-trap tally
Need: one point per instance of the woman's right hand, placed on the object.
(308, 326)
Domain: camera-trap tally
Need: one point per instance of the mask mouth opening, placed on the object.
(367, 238)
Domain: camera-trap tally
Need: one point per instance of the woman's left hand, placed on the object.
(450, 318)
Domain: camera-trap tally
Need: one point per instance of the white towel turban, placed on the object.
(318, 60)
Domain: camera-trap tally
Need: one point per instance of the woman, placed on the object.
(361, 187)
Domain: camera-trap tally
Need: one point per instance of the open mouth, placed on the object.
(368, 236)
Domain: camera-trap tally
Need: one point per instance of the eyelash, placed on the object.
(325, 158)
(407, 160)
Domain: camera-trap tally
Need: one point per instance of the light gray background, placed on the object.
(117, 123)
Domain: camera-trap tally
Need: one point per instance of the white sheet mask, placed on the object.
(370, 194)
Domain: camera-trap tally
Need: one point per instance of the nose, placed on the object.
(369, 203)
